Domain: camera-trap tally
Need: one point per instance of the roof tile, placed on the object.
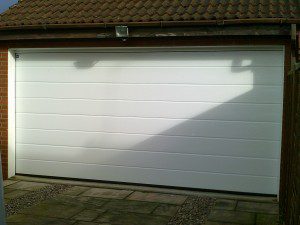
(34, 12)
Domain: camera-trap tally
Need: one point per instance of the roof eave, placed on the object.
(155, 24)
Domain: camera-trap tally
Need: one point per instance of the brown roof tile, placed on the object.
(42, 12)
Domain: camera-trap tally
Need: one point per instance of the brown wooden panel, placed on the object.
(290, 168)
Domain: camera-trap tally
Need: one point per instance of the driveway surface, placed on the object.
(31, 203)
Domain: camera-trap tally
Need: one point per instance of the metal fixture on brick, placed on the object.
(122, 32)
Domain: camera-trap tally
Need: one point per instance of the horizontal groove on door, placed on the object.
(151, 135)
(130, 100)
(140, 175)
(104, 165)
(139, 117)
(131, 150)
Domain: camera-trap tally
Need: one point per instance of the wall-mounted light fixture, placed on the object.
(122, 32)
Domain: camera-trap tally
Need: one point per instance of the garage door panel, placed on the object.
(151, 126)
(173, 110)
(138, 75)
(138, 142)
(232, 182)
(185, 93)
(203, 119)
(154, 59)
(157, 160)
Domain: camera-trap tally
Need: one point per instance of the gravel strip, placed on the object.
(33, 198)
(194, 211)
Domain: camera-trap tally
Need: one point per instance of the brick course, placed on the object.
(3, 109)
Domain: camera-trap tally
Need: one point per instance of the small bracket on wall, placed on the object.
(297, 66)
(122, 32)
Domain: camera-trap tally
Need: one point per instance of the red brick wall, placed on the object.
(296, 203)
(290, 194)
(293, 198)
(292, 201)
(205, 41)
(3, 108)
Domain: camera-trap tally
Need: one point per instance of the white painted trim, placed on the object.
(12, 75)
(150, 49)
(11, 113)
(282, 106)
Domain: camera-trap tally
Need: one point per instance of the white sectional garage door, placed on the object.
(198, 119)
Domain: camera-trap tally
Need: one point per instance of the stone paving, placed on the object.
(229, 212)
(82, 205)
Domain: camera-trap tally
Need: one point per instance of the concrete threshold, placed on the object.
(145, 188)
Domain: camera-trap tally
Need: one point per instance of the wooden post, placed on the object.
(290, 199)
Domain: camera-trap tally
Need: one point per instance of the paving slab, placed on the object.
(96, 203)
(8, 190)
(21, 219)
(131, 219)
(15, 194)
(225, 204)
(166, 210)
(219, 223)
(66, 199)
(225, 216)
(258, 207)
(9, 182)
(130, 206)
(91, 223)
(267, 219)
(76, 190)
(80, 201)
(44, 209)
(107, 193)
(28, 186)
(157, 197)
(86, 215)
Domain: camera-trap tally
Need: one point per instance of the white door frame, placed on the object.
(12, 79)
(11, 113)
